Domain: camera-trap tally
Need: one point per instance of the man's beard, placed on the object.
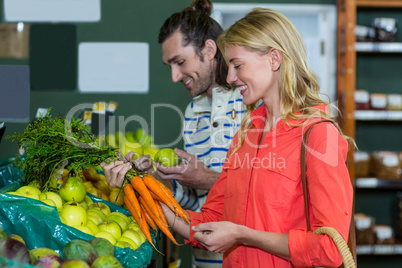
(203, 84)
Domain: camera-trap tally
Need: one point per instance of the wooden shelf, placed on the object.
(379, 249)
(372, 47)
(379, 3)
(369, 115)
(376, 183)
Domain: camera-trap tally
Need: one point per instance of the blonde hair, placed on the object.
(261, 30)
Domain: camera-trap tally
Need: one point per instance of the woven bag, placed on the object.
(349, 259)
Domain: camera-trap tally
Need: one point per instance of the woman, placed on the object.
(254, 213)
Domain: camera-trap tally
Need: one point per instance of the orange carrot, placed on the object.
(163, 194)
(154, 196)
(142, 223)
(161, 213)
(129, 192)
(162, 226)
(140, 187)
(148, 217)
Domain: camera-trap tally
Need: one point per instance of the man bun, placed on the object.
(202, 6)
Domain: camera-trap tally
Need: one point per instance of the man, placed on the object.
(189, 48)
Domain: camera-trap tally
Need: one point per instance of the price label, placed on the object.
(367, 183)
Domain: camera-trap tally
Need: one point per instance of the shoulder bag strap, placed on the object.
(352, 233)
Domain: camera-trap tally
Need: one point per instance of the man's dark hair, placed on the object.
(196, 26)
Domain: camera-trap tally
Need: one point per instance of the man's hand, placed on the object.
(217, 236)
(191, 172)
(115, 172)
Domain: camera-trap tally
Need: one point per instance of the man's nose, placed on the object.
(176, 75)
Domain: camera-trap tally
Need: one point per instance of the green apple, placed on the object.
(29, 191)
(97, 210)
(88, 200)
(62, 219)
(142, 137)
(49, 202)
(133, 235)
(84, 229)
(39, 252)
(120, 137)
(73, 189)
(167, 157)
(74, 214)
(102, 207)
(53, 196)
(92, 225)
(129, 241)
(94, 219)
(95, 215)
(111, 227)
(119, 220)
(111, 140)
(108, 236)
(83, 204)
(134, 226)
(130, 136)
(121, 215)
(122, 244)
(134, 147)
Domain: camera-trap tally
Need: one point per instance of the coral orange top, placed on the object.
(261, 188)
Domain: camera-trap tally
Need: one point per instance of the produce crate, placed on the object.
(40, 226)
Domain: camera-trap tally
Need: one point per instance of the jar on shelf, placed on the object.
(394, 102)
(362, 100)
(378, 101)
(364, 229)
(386, 165)
(362, 163)
(385, 29)
(384, 235)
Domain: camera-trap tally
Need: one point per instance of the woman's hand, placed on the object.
(217, 236)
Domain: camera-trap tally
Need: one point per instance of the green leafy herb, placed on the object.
(50, 141)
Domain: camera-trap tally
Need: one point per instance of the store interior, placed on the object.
(70, 65)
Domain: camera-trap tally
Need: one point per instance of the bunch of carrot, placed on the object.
(142, 197)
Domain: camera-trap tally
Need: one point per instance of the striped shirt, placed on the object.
(209, 126)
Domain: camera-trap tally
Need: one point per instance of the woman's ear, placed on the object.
(210, 49)
(276, 59)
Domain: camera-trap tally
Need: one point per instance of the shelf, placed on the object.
(379, 4)
(379, 250)
(369, 115)
(386, 47)
(375, 183)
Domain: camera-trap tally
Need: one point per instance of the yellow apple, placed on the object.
(116, 196)
(111, 227)
(96, 216)
(84, 228)
(93, 226)
(29, 191)
(94, 219)
(134, 226)
(121, 215)
(108, 236)
(88, 200)
(119, 220)
(49, 202)
(102, 207)
(129, 241)
(74, 214)
(53, 196)
(133, 235)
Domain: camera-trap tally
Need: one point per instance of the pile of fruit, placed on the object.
(77, 210)
(96, 253)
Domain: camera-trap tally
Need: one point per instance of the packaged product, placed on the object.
(362, 163)
(386, 165)
(364, 229)
(378, 101)
(362, 100)
(394, 102)
(384, 235)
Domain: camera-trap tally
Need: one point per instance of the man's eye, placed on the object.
(180, 63)
(237, 66)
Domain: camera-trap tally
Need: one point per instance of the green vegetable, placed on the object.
(50, 141)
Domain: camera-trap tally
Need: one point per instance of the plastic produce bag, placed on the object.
(40, 226)
(8, 173)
